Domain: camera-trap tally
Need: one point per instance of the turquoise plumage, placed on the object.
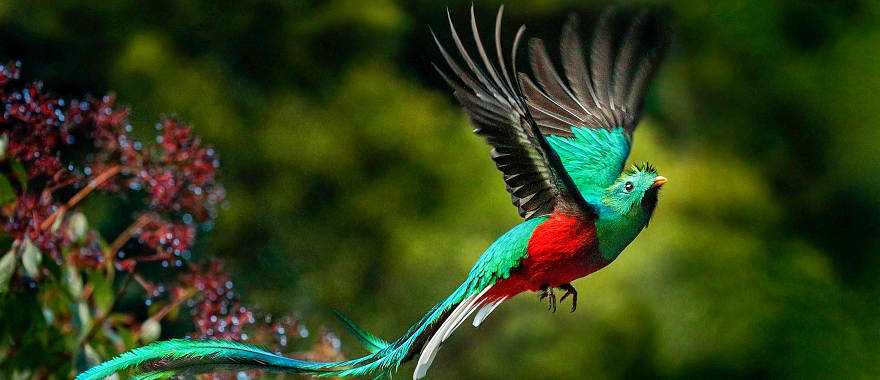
(162, 359)
(369, 341)
(593, 157)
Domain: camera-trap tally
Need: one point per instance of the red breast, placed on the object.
(561, 250)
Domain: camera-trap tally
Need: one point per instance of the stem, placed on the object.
(167, 308)
(93, 184)
(143, 283)
(125, 236)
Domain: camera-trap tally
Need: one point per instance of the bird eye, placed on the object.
(628, 186)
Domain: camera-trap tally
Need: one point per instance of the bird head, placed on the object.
(635, 192)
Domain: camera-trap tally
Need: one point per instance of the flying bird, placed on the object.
(561, 145)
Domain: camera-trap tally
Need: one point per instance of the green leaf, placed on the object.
(7, 192)
(31, 258)
(7, 269)
(83, 319)
(103, 291)
(72, 280)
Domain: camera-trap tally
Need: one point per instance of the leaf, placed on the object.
(31, 258)
(7, 192)
(7, 269)
(102, 288)
(73, 280)
(83, 317)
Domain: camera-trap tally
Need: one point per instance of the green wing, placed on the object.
(591, 118)
(593, 157)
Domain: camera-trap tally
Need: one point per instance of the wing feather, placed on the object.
(533, 174)
(604, 90)
(607, 89)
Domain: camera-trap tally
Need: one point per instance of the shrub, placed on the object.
(62, 281)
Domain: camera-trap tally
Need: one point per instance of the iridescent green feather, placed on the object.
(163, 359)
(593, 157)
(503, 255)
(369, 341)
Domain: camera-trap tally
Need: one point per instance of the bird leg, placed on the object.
(570, 291)
(547, 292)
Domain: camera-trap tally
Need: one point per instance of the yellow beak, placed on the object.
(659, 181)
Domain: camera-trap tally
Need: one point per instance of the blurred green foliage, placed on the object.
(354, 181)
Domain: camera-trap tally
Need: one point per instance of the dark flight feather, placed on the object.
(605, 89)
(491, 95)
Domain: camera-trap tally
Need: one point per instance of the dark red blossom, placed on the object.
(216, 309)
(168, 238)
(22, 221)
(180, 177)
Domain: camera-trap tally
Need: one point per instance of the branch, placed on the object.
(126, 235)
(93, 184)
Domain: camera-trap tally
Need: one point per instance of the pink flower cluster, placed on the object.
(216, 309)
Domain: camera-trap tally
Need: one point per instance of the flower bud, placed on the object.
(150, 330)
(77, 226)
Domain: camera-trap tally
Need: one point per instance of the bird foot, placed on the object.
(547, 292)
(570, 291)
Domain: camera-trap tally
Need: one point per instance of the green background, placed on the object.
(354, 181)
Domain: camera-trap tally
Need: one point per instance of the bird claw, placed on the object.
(570, 291)
(547, 292)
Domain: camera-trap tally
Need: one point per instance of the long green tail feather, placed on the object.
(166, 358)
(172, 357)
(369, 341)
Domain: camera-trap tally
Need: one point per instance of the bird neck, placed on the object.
(615, 231)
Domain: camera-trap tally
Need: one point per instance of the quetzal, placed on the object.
(561, 145)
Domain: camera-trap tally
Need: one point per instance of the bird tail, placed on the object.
(368, 341)
(172, 357)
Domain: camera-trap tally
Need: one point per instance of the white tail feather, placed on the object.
(455, 319)
(486, 310)
(460, 319)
